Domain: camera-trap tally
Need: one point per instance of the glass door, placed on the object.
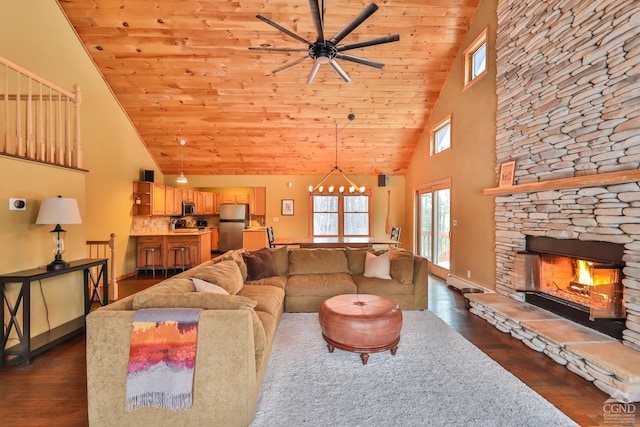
(433, 226)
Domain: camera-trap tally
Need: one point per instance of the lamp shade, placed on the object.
(59, 210)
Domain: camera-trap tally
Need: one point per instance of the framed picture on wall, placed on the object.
(287, 207)
(507, 173)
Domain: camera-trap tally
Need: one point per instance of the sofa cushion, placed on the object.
(383, 287)
(317, 261)
(401, 265)
(277, 281)
(171, 285)
(234, 255)
(205, 300)
(225, 274)
(326, 285)
(202, 286)
(377, 266)
(268, 298)
(281, 259)
(259, 264)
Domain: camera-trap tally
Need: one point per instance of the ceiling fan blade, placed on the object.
(314, 71)
(366, 43)
(290, 64)
(284, 30)
(279, 49)
(339, 71)
(359, 60)
(359, 19)
(317, 16)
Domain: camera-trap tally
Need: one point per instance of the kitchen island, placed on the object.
(196, 240)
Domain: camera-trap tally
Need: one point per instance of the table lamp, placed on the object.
(58, 210)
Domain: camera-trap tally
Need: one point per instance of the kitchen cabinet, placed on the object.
(259, 205)
(157, 202)
(199, 202)
(171, 204)
(243, 198)
(207, 199)
(254, 239)
(215, 239)
(228, 198)
(142, 196)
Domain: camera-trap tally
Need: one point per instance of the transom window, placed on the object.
(341, 215)
(441, 136)
(475, 59)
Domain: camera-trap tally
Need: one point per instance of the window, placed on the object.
(441, 136)
(475, 59)
(341, 215)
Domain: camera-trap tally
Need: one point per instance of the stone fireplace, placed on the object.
(568, 90)
(579, 280)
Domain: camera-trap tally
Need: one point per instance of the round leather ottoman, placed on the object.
(361, 323)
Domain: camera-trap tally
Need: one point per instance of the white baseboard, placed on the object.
(460, 283)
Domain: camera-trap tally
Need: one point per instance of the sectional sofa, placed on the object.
(243, 295)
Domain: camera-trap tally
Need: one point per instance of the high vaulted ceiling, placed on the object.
(182, 70)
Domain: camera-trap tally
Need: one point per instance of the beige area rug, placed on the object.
(437, 378)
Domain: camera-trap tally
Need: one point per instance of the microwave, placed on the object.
(188, 208)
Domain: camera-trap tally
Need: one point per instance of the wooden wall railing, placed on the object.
(105, 249)
(39, 120)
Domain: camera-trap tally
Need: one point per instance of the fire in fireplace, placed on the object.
(579, 280)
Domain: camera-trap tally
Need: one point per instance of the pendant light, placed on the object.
(352, 187)
(182, 179)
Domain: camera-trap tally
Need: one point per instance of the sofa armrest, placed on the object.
(225, 383)
(420, 281)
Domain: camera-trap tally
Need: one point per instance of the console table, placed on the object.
(28, 346)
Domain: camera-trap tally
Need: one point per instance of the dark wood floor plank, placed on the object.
(52, 390)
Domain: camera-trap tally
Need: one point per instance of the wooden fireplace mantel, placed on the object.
(595, 180)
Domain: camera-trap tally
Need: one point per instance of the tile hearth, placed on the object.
(612, 367)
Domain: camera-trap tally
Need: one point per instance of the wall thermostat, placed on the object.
(17, 204)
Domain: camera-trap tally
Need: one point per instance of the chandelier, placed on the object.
(352, 186)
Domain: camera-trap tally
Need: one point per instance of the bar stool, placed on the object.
(184, 256)
(150, 252)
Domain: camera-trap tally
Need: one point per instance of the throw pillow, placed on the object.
(202, 286)
(281, 259)
(225, 274)
(235, 255)
(377, 266)
(356, 257)
(260, 264)
(401, 265)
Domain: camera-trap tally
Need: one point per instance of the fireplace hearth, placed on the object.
(579, 280)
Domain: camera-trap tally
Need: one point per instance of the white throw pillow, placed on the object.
(377, 266)
(203, 286)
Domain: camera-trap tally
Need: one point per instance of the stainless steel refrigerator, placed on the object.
(233, 219)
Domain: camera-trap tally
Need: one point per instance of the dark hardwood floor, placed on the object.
(52, 390)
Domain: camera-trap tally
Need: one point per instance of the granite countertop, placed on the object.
(178, 232)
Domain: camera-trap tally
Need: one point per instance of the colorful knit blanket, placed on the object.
(162, 356)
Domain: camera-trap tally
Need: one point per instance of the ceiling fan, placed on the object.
(324, 51)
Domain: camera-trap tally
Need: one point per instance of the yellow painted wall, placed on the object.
(470, 163)
(35, 35)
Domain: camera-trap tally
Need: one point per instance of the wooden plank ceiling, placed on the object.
(182, 70)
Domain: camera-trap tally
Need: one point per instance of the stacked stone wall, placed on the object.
(568, 86)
